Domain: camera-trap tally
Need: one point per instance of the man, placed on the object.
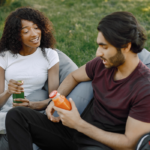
(119, 115)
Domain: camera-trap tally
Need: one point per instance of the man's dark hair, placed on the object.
(11, 38)
(120, 28)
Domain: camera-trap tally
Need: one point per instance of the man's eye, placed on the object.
(105, 47)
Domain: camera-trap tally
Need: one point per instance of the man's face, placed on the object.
(108, 53)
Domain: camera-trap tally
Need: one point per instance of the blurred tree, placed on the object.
(5, 2)
(2, 2)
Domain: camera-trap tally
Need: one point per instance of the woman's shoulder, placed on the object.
(52, 56)
(6, 54)
(4, 57)
(51, 52)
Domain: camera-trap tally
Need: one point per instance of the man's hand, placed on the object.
(50, 111)
(24, 102)
(69, 118)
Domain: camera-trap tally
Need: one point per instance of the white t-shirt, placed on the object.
(32, 69)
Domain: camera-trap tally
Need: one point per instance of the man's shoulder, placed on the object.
(144, 71)
(95, 60)
(96, 63)
(142, 80)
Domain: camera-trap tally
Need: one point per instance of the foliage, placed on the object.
(5, 2)
(2, 2)
(9, 6)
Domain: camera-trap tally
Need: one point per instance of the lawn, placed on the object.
(75, 21)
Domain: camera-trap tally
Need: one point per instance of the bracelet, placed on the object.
(49, 102)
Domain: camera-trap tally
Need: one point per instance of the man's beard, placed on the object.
(116, 60)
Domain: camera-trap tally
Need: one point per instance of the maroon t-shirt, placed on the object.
(114, 101)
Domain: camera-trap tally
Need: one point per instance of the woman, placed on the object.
(26, 53)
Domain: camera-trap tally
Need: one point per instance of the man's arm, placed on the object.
(66, 87)
(127, 141)
(72, 80)
(134, 130)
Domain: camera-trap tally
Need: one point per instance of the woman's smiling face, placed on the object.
(30, 34)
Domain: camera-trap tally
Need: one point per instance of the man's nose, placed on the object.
(99, 52)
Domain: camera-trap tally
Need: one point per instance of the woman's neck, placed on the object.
(27, 51)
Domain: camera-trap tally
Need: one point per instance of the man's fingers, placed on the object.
(55, 119)
(49, 113)
(51, 117)
(72, 103)
(59, 109)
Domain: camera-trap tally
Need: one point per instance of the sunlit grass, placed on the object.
(75, 22)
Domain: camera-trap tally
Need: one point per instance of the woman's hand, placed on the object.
(23, 102)
(15, 87)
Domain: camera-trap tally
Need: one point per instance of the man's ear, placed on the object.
(127, 48)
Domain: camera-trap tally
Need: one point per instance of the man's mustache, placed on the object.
(103, 58)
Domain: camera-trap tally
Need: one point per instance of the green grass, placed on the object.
(5, 10)
(75, 21)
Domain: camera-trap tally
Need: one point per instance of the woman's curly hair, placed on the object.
(11, 38)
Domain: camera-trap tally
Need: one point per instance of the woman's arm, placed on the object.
(53, 83)
(13, 87)
(4, 95)
(53, 78)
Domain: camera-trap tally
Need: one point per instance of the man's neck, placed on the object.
(127, 68)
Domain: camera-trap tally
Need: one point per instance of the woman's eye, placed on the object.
(25, 31)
